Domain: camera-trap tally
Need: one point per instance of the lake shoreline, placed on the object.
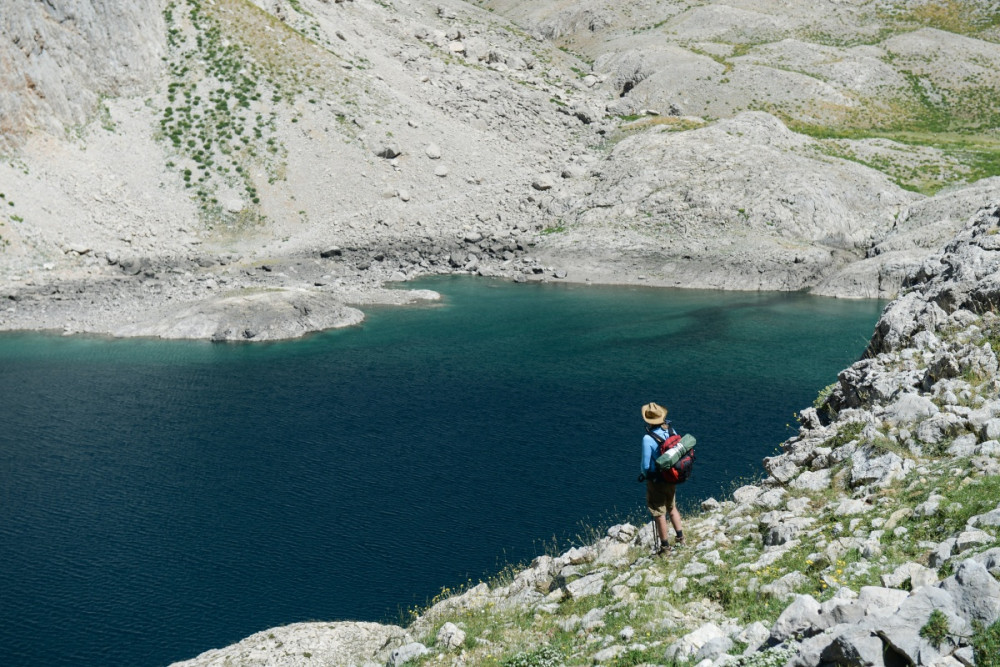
(218, 297)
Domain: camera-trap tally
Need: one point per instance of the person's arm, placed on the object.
(648, 467)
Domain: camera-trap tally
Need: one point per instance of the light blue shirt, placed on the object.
(651, 448)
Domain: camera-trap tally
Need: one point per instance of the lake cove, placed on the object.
(161, 498)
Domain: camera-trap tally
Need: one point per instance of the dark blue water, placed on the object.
(158, 499)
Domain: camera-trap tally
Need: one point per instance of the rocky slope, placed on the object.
(157, 156)
(59, 59)
(873, 539)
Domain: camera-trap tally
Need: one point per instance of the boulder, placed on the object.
(972, 538)
(406, 653)
(854, 646)
(450, 636)
(913, 573)
(872, 598)
(754, 636)
(592, 584)
(389, 152)
(801, 617)
(935, 429)
(840, 610)
(688, 646)
(909, 409)
(975, 591)
(812, 481)
(781, 468)
(786, 585)
(901, 630)
(623, 532)
(747, 494)
(581, 555)
(989, 519)
(543, 183)
(713, 649)
(878, 471)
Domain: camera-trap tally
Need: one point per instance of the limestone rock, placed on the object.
(975, 591)
(543, 183)
(901, 629)
(251, 315)
(405, 654)
(389, 151)
(801, 617)
(690, 644)
(592, 584)
(786, 585)
(812, 480)
(450, 636)
(854, 646)
(909, 408)
(878, 470)
(327, 643)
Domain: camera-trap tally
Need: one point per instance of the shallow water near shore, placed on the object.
(158, 499)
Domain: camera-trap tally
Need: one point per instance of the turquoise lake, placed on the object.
(158, 499)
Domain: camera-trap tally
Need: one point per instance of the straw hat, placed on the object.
(654, 414)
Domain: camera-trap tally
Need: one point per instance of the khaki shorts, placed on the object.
(660, 497)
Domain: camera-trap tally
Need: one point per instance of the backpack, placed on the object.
(675, 456)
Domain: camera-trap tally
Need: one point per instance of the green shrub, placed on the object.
(772, 657)
(936, 628)
(986, 645)
(545, 656)
(846, 433)
(634, 657)
(825, 392)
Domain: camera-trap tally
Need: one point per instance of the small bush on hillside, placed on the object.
(936, 629)
(824, 394)
(773, 657)
(986, 645)
(545, 656)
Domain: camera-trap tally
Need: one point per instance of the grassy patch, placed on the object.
(963, 17)
(670, 123)
(961, 124)
(846, 434)
(633, 657)
(961, 502)
(543, 656)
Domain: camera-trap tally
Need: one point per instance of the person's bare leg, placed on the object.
(675, 520)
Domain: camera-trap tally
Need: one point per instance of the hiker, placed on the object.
(659, 494)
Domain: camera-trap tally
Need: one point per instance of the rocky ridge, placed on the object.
(872, 540)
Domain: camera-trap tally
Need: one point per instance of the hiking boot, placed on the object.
(663, 551)
(680, 543)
